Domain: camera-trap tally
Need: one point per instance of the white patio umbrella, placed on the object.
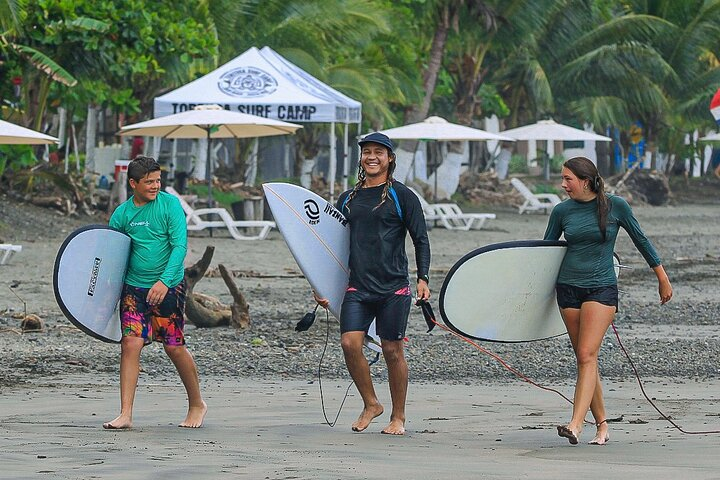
(11, 134)
(551, 131)
(437, 128)
(210, 121)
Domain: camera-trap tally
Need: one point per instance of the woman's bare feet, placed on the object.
(601, 436)
(122, 422)
(366, 417)
(195, 416)
(396, 427)
(569, 433)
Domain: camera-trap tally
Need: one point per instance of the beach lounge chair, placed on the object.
(196, 220)
(7, 250)
(451, 216)
(534, 202)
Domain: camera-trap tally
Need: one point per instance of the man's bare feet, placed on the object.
(195, 416)
(367, 416)
(396, 427)
(122, 422)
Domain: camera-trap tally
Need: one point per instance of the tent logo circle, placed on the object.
(247, 82)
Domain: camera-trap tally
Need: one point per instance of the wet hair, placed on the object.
(585, 169)
(361, 180)
(141, 166)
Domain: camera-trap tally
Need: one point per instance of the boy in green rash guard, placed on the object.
(586, 286)
(152, 305)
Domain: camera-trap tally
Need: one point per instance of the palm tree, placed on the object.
(12, 43)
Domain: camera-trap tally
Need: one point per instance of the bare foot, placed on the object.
(396, 427)
(569, 433)
(601, 436)
(367, 416)
(122, 422)
(195, 416)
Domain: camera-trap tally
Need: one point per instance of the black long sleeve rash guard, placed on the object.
(378, 262)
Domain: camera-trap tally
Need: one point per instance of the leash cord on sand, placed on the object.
(499, 359)
(642, 389)
(322, 399)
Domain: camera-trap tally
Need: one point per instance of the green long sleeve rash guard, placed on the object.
(588, 262)
(159, 240)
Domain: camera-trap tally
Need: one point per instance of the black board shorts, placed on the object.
(390, 310)
(570, 296)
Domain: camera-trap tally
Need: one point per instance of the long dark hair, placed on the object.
(585, 169)
(361, 180)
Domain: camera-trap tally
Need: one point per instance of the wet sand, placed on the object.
(275, 430)
(467, 418)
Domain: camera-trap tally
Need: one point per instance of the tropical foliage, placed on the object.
(608, 63)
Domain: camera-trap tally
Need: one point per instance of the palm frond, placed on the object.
(601, 111)
(44, 63)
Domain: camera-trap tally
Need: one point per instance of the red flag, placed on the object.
(715, 106)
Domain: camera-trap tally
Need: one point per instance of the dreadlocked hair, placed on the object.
(361, 181)
(585, 169)
(388, 182)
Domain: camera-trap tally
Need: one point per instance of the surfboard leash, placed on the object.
(650, 401)
(322, 356)
(430, 319)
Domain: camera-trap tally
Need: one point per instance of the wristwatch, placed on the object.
(424, 277)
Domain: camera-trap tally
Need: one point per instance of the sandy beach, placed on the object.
(468, 417)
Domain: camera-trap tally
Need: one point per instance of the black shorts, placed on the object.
(391, 312)
(569, 296)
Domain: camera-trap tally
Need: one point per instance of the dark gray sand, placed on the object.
(467, 416)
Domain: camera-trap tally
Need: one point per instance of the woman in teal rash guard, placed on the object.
(586, 286)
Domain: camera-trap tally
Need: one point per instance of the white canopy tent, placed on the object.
(263, 83)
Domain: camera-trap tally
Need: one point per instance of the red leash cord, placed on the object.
(502, 362)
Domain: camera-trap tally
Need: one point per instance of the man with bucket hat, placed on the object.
(380, 211)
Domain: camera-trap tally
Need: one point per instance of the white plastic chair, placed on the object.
(195, 221)
(451, 216)
(534, 202)
(7, 250)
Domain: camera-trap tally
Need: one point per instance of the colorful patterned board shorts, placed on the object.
(153, 323)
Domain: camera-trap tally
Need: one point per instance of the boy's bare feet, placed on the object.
(366, 417)
(122, 422)
(396, 427)
(195, 416)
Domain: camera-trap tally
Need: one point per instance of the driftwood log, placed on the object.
(205, 311)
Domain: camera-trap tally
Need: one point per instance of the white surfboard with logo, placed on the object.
(318, 237)
(88, 278)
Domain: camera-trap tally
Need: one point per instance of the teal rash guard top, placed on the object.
(159, 240)
(588, 262)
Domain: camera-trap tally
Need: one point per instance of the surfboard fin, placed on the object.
(428, 313)
(306, 321)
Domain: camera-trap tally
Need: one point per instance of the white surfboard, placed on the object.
(88, 277)
(318, 237)
(505, 292)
